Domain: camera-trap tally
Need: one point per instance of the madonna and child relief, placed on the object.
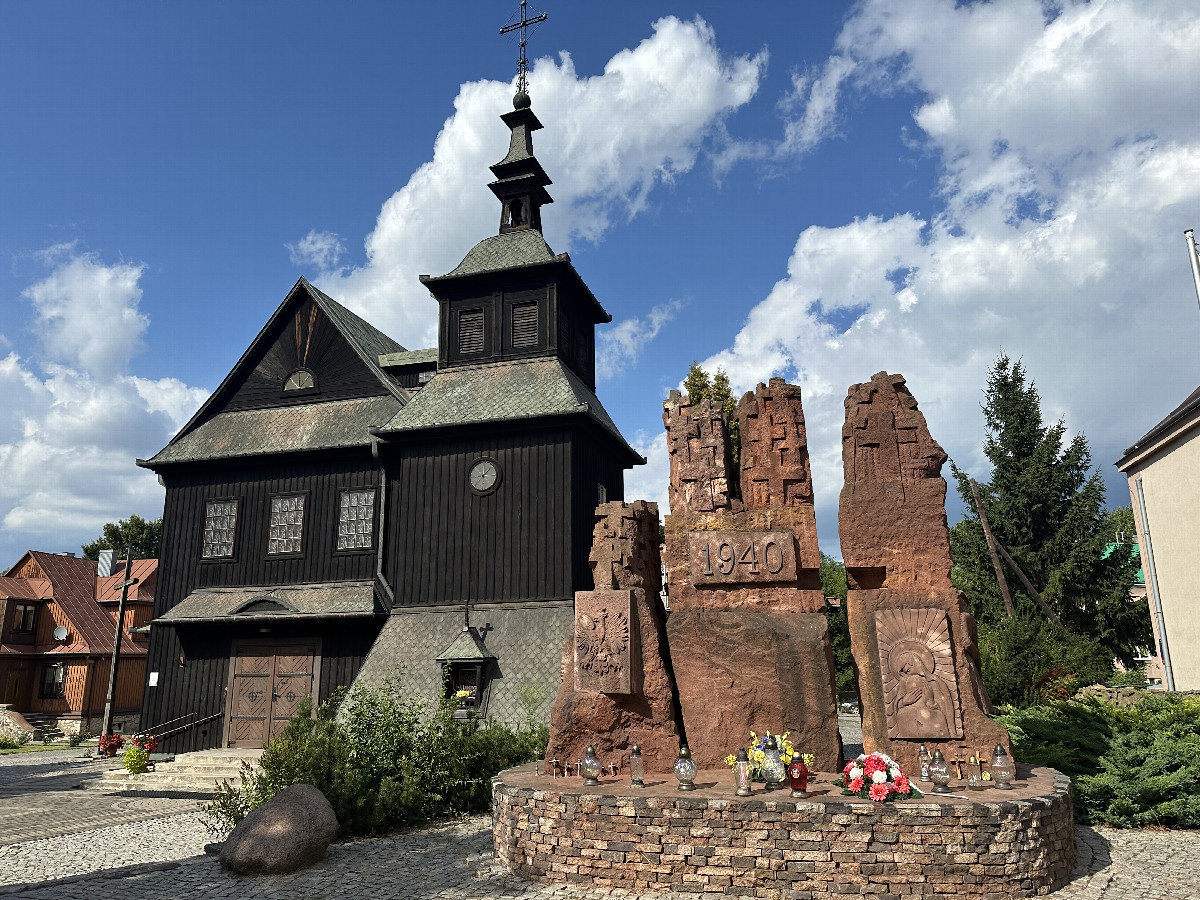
(916, 660)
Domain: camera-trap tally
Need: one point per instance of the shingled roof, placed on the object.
(368, 343)
(328, 600)
(505, 391)
(328, 425)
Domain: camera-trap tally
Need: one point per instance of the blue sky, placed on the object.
(813, 190)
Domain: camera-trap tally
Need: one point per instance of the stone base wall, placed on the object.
(665, 840)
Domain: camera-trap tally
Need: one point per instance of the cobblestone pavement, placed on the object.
(38, 797)
(453, 862)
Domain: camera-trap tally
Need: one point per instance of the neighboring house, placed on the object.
(1145, 656)
(1162, 468)
(57, 622)
(342, 508)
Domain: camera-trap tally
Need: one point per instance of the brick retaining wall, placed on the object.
(1008, 844)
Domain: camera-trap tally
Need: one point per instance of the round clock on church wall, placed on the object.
(485, 476)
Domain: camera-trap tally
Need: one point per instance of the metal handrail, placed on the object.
(162, 734)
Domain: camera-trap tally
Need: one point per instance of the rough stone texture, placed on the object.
(767, 666)
(13, 724)
(526, 638)
(913, 640)
(659, 840)
(746, 669)
(1121, 696)
(288, 832)
(597, 704)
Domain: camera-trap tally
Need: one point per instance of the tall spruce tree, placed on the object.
(1046, 507)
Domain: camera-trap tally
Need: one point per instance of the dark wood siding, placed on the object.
(308, 340)
(199, 685)
(450, 544)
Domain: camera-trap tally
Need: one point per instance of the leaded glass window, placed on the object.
(220, 520)
(287, 524)
(356, 520)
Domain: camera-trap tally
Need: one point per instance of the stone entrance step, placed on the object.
(196, 774)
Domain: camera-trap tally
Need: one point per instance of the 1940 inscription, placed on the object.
(738, 557)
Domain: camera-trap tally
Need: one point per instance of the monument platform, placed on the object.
(972, 844)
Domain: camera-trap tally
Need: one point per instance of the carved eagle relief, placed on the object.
(602, 642)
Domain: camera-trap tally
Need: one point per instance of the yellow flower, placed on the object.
(809, 759)
(730, 759)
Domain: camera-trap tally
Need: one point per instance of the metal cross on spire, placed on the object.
(523, 25)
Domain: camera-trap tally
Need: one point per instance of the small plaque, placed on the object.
(742, 557)
(607, 657)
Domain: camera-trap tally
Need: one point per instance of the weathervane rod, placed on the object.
(523, 63)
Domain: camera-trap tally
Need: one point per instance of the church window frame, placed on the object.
(299, 383)
(218, 535)
(353, 511)
(286, 519)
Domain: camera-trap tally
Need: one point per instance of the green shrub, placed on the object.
(78, 738)
(8, 742)
(383, 760)
(135, 760)
(1132, 766)
(1134, 678)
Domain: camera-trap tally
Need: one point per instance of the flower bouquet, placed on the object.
(110, 743)
(877, 777)
(757, 751)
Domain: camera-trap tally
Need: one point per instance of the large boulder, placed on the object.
(288, 832)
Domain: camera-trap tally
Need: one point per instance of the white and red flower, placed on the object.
(878, 777)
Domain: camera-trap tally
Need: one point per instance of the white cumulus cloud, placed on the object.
(73, 420)
(618, 346)
(657, 105)
(1069, 166)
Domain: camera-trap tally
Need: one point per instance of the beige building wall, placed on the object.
(1170, 473)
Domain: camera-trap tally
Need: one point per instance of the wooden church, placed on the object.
(342, 509)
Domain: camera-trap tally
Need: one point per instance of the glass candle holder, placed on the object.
(1003, 769)
(797, 773)
(939, 771)
(741, 773)
(590, 768)
(774, 771)
(924, 759)
(685, 770)
(637, 767)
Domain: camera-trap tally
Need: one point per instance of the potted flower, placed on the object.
(110, 743)
(876, 776)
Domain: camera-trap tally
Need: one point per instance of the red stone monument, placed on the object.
(749, 642)
(617, 687)
(914, 642)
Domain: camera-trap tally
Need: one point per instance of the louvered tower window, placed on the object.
(525, 325)
(470, 331)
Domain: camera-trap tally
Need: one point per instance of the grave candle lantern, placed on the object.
(798, 777)
(741, 773)
(1003, 769)
(939, 771)
(774, 771)
(590, 768)
(637, 767)
(685, 770)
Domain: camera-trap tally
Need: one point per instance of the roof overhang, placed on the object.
(335, 600)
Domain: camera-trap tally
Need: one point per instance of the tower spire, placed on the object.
(520, 183)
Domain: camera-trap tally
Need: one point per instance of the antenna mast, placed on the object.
(1195, 261)
(523, 26)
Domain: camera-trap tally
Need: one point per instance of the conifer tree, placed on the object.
(1046, 507)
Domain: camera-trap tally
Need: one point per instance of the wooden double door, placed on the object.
(267, 682)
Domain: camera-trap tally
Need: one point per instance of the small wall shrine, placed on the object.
(748, 636)
(914, 642)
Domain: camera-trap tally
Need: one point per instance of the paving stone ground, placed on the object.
(158, 855)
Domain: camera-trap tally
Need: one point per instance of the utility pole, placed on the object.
(1194, 260)
(126, 583)
(991, 544)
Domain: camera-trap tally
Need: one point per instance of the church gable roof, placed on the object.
(502, 392)
(309, 333)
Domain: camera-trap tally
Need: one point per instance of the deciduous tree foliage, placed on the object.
(1046, 506)
(136, 533)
